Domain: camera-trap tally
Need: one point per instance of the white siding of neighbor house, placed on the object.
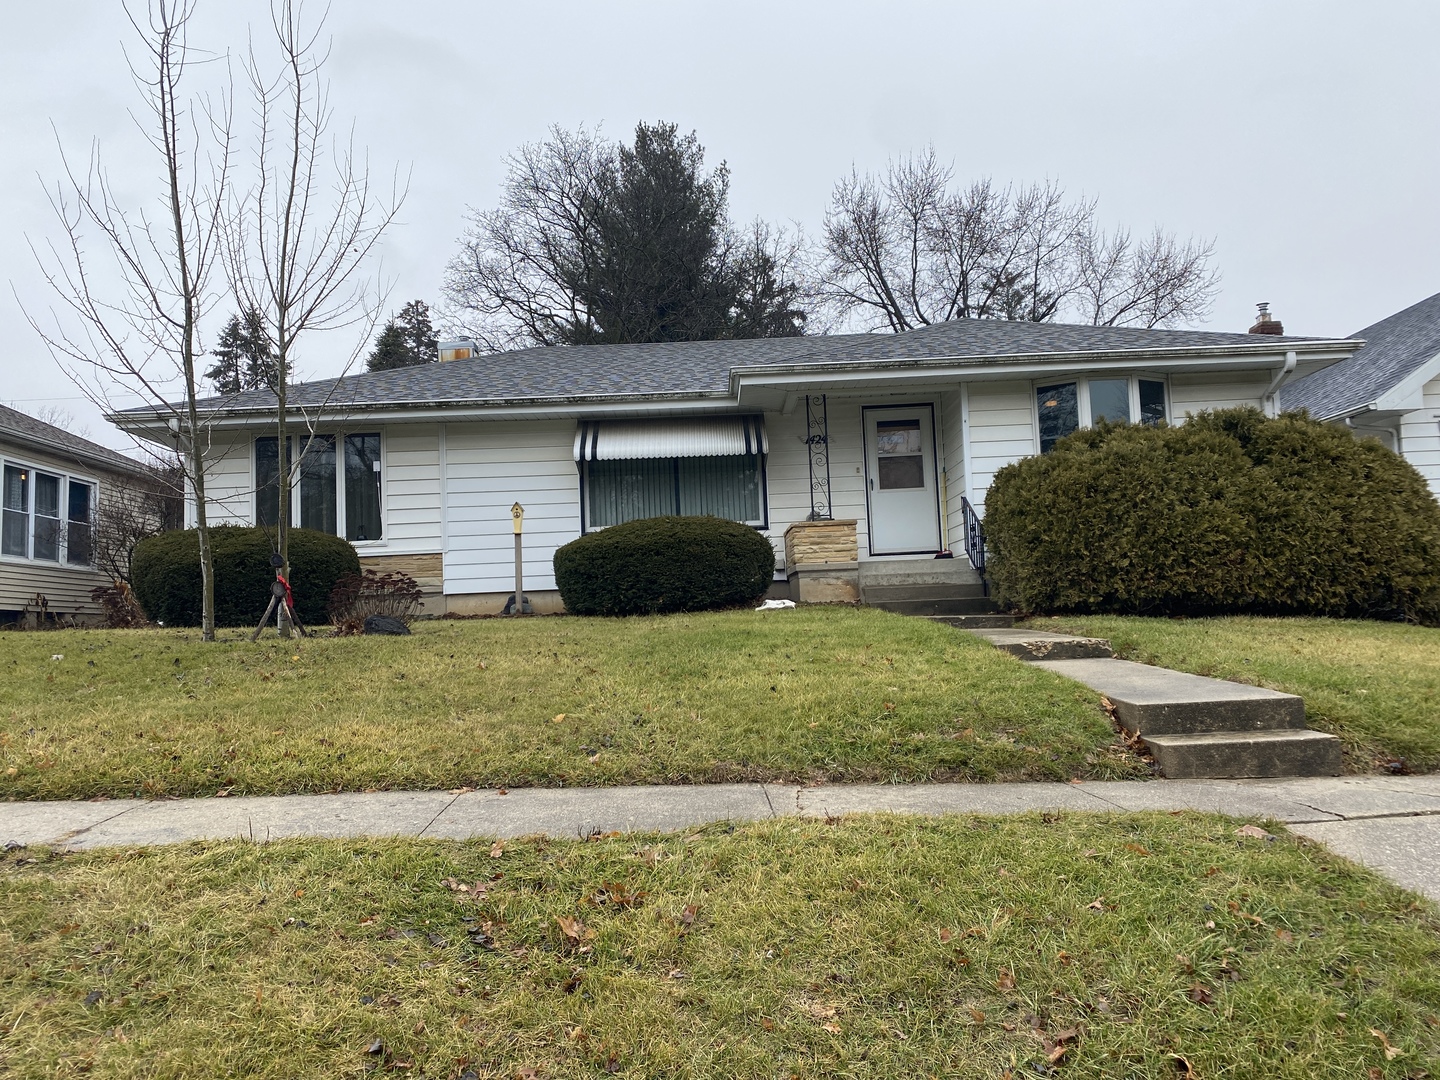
(1420, 436)
(66, 588)
(490, 466)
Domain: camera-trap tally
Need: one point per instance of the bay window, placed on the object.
(46, 516)
(338, 487)
(1063, 406)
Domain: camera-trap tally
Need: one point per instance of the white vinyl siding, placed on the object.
(1200, 392)
(953, 450)
(229, 483)
(1002, 430)
(490, 466)
(410, 473)
(1420, 436)
(66, 588)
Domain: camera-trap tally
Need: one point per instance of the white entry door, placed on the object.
(901, 483)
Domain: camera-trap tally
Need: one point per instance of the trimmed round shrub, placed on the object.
(1233, 512)
(165, 574)
(664, 564)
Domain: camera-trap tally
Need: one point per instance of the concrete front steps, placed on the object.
(1195, 727)
(943, 589)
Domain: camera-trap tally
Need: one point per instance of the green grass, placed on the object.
(1375, 685)
(818, 694)
(879, 947)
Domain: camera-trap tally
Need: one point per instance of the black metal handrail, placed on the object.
(974, 536)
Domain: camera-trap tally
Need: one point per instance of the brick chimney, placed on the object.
(1265, 323)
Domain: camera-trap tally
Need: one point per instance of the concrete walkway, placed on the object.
(1391, 824)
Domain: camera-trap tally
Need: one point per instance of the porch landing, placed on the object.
(947, 590)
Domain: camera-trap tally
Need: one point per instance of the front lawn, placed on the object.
(838, 694)
(1057, 945)
(1375, 685)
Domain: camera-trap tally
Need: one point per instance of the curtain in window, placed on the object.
(317, 485)
(15, 530)
(362, 487)
(47, 518)
(79, 527)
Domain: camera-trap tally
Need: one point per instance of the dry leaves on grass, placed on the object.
(1391, 1052)
(575, 935)
(1254, 831)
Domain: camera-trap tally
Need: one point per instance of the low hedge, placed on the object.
(165, 574)
(1232, 512)
(664, 564)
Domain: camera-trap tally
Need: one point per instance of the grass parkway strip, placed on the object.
(1055, 944)
(847, 694)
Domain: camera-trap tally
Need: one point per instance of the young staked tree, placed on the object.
(908, 249)
(407, 340)
(299, 240)
(142, 337)
(597, 242)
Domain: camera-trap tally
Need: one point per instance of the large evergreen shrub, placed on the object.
(664, 564)
(165, 574)
(1231, 512)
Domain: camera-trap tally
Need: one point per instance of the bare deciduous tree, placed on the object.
(908, 249)
(135, 508)
(297, 241)
(143, 338)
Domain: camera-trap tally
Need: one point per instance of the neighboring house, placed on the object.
(54, 487)
(1389, 389)
(890, 437)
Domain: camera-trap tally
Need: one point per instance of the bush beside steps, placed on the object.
(1230, 513)
(664, 564)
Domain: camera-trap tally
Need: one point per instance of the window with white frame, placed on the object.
(47, 516)
(1065, 405)
(337, 489)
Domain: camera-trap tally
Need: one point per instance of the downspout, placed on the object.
(1271, 398)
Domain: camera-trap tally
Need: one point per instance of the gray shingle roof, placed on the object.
(701, 368)
(61, 443)
(1394, 347)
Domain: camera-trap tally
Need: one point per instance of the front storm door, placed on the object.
(900, 481)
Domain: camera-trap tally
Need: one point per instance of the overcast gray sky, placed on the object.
(1301, 136)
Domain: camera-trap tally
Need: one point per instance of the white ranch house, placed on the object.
(885, 439)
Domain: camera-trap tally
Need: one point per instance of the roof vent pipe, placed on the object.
(1265, 323)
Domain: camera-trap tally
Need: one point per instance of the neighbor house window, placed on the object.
(46, 516)
(728, 487)
(1062, 407)
(343, 500)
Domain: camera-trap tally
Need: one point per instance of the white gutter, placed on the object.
(1271, 398)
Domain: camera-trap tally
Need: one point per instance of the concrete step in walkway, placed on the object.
(1390, 823)
(1194, 726)
(992, 621)
(935, 605)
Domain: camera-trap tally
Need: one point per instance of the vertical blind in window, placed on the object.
(640, 469)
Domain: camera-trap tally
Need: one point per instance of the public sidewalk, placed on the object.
(1389, 823)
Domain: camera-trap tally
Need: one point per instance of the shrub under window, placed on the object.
(664, 564)
(1232, 512)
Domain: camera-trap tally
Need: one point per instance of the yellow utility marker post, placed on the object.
(518, 513)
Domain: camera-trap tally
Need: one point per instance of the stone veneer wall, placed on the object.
(808, 542)
(427, 570)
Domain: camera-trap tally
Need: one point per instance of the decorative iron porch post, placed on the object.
(817, 438)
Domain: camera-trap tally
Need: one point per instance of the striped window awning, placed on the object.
(619, 440)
